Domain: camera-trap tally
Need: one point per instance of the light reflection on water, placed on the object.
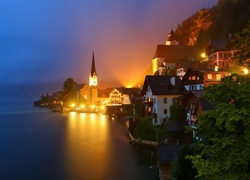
(64, 146)
(87, 141)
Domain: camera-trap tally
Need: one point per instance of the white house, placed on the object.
(159, 93)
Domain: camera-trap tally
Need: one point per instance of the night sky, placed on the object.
(48, 41)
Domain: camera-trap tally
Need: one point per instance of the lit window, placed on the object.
(193, 77)
(209, 76)
(218, 76)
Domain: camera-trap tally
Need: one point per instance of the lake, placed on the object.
(39, 144)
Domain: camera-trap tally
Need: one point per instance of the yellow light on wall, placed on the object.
(203, 55)
(73, 105)
(246, 71)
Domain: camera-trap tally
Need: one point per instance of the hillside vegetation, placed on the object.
(219, 22)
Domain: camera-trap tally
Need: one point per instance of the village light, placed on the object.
(73, 105)
(203, 55)
(246, 71)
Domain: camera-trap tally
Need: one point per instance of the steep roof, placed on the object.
(175, 126)
(161, 85)
(128, 91)
(172, 36)
(205, 105)
(93, 70)
(218, 45)
(198, 93)
(80, 86)
(167, 152)
(173, 52)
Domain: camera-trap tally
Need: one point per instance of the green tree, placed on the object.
(225, 131)
(69, 89)
(181, 167)
(242, 43)
(144, 129)
(177, 113)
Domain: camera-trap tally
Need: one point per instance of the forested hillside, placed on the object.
(220, 21)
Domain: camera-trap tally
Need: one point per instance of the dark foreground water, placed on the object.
(38, 144)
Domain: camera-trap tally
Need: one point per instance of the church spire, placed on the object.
(93, 74)
(93, 71)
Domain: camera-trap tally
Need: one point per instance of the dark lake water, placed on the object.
(38, 144)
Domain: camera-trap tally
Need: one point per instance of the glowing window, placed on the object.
(218, 76)
(209, 76)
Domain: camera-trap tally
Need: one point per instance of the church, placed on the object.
(172, 54)
(88, 93)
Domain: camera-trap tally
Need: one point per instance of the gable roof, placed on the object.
(175, 126)
(167, 152)
(173, 52)
(205, 105)
(218, 45)
(80, 86)
(161, 85)
(128, 91)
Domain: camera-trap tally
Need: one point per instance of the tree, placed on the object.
(177, 113)
(242, 43)
(224, 131)
(69, 89)
(144, 129)
(181, 167)
(189, 30)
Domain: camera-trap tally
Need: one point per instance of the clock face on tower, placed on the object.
(94, 82)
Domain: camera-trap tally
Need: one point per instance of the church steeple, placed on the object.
(172, 39)
(93, 71)
(93, 74)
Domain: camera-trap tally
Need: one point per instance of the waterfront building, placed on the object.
(159, 93)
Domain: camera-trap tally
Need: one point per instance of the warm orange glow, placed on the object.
(83, 106)
(102, 107)
(92, 106)
(246, 71)
(203, 55)
(73, 105)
